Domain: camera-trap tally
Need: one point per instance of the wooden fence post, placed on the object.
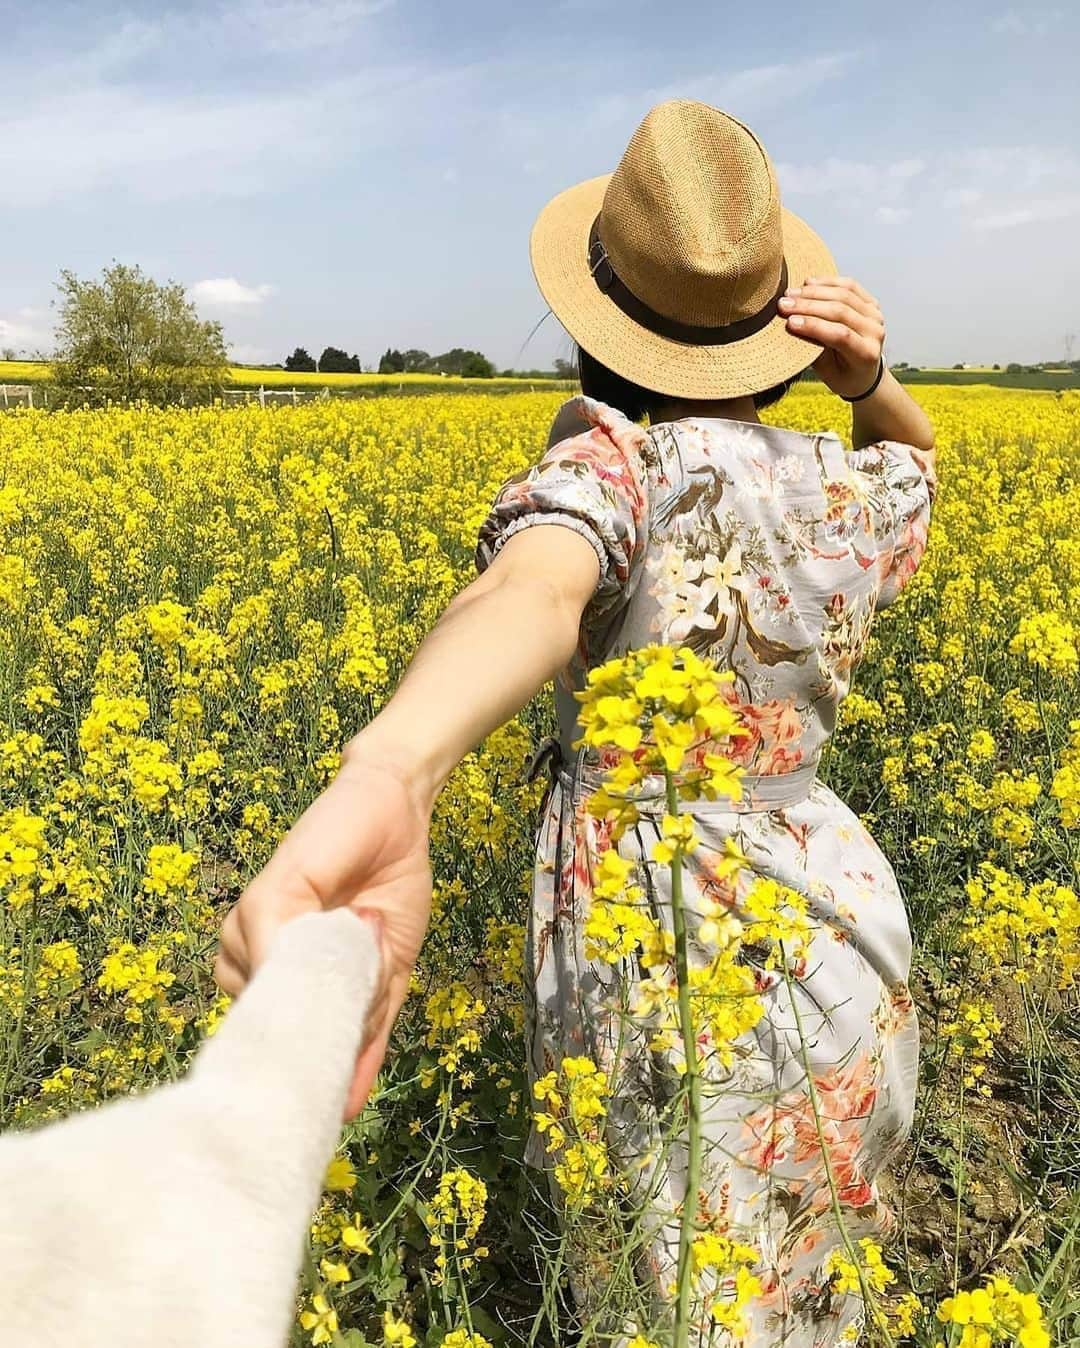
(30, 394)
(262, 395)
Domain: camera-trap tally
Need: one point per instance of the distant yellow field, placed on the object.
(22, 371)
(36, 371)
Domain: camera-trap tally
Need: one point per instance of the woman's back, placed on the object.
(764, 550)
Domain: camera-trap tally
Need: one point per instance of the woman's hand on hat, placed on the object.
(838, 314)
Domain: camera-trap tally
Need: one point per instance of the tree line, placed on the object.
(459, 361)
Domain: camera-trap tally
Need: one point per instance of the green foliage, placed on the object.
(392, 362)
(300, 360)
(335, 361)
(133, 338)
(468, 364)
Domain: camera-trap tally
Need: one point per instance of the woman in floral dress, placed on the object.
(768, 551)
(696, 299)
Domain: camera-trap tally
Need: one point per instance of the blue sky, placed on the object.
(365, 173)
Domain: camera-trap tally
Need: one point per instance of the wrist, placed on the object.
(871, 386)
(890, 413)
(385, 747)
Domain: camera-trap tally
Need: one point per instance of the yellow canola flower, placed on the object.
(320, 1320)
(397, 1332)
(340, 1176)
(996, 1313)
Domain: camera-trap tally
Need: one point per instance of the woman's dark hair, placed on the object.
(598, 382)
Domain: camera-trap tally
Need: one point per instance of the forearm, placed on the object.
(890, 413)
(492, 649)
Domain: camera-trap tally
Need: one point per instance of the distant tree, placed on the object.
(477, 366)
(8, 353)
(1014, 367)
(416, 362)
(335, 361)
(959, 365)
(565, 369)
(469, 364)
(300, 360)
(392, 362)
(132, 337)
(996, 365)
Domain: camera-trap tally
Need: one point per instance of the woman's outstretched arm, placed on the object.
(497, 642)
(364, 841)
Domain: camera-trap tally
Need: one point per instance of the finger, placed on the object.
(233, 944)
(228, 975)
(835, 310)
(847, 282)
(835, 336)
(380, 997)
(824, 290)
(371, 1054)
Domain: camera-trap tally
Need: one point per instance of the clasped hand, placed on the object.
(363, 843)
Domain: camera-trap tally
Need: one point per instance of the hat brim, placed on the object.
(558, 249)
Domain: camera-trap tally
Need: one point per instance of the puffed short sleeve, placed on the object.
(594, 482)
(899, 483)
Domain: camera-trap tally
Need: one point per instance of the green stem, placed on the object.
(693, 1072)
(959, 1186)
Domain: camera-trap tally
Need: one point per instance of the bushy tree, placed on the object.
(416, 362)
(469, 364)
(392, 362)
(131, 337)
(335, 361)
(300, 360)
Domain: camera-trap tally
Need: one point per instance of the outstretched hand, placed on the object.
(363, 843)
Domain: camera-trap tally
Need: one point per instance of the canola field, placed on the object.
(199, 606)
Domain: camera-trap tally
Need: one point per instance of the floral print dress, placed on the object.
(767, 551)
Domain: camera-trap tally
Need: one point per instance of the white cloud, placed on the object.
(854, 181)
(1061, 207)
(226, 292)
(1035, 22)
(956, 198)
(243, 353)
(749, 91)
(123, 113)
(296, 25)
(25, 332)
(985, 188)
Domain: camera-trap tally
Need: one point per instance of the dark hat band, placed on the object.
(695, 334)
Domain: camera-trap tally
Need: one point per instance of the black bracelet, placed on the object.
(877, 380)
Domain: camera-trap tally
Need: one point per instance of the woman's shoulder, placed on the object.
(719, 436)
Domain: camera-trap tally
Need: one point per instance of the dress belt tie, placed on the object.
(760, 791)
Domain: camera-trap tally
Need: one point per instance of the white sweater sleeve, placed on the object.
(178, 1216)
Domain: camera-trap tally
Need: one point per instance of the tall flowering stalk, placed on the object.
(660, 708)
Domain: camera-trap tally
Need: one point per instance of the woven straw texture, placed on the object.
(692, 223)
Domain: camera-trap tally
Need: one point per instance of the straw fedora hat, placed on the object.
(668, 270)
